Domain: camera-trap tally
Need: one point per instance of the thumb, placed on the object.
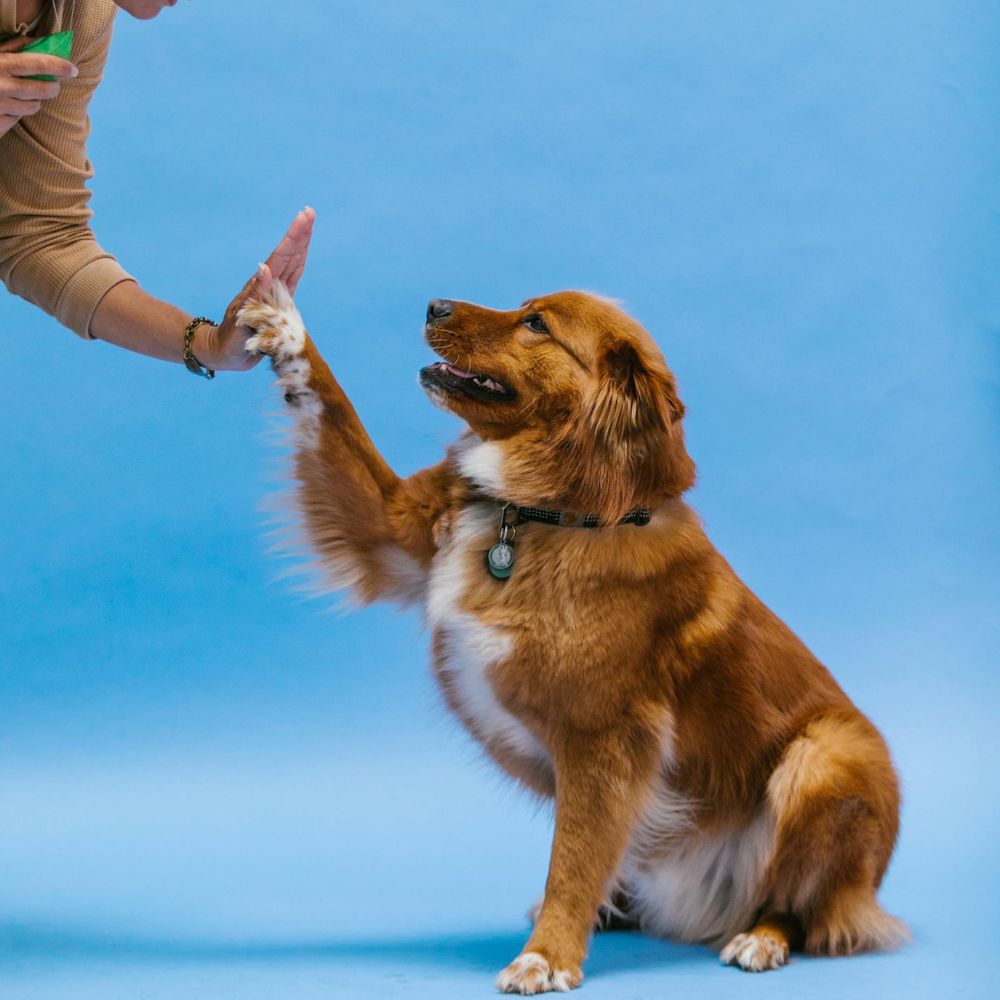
(263, 281)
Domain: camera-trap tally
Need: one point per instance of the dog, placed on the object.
(712, 782)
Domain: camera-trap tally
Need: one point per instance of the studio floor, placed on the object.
(215, 879)
(459, 965)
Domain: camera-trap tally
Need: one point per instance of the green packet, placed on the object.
(60, 44)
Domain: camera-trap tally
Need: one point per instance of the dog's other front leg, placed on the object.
(371, 531)
(598, 792)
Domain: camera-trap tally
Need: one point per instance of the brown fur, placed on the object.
(636, 658)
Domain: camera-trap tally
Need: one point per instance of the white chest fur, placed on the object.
(467, 648)
(688, 885)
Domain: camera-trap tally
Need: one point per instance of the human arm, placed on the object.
(48, 253)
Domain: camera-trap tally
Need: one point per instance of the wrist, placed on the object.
(209, 347)
(203, 344)
(197, 354)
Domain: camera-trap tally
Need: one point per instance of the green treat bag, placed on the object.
(60, 45)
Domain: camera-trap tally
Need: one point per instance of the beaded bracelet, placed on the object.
(192, 364)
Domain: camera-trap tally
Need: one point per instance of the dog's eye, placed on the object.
(535, 323)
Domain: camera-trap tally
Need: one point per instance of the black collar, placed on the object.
(570, 518)
(500, 558)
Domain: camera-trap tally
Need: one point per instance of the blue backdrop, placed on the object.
(211, 788)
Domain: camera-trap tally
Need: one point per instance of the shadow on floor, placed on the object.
(23, 944)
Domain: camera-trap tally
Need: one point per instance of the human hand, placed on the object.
(19, 95)
(224, 347)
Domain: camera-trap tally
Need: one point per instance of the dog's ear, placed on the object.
(634, 417)
(634, 394)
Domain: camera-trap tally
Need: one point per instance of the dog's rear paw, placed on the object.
(531, 973)
(277, 326)
(756, 951)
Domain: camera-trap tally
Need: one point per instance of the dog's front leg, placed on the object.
(371, 531)
(598, 783)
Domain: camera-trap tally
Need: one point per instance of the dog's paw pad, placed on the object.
(531, 973)
(756, 951)
(277, 326)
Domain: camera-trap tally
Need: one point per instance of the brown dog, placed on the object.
(711, 780)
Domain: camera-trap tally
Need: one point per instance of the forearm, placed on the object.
(131, 318)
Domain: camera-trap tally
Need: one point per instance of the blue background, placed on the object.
(211, 788)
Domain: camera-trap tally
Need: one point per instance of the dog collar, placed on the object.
(500, 558)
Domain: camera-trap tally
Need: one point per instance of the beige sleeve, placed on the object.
(48, 254)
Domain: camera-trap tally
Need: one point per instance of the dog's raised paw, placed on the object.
(531, 973)
(278, 331)
(277, 327)
(756, 951)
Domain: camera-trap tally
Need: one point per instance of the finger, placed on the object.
(19, 109)
(292, 280)
(296, 262)
(282, 259)
(289, 258)
(258, 285)
(26, 89)
(264, 280)
(36, 64)
(284, 253)
(14, 44)
(241, 296)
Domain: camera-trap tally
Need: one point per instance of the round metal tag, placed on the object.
(500, 560)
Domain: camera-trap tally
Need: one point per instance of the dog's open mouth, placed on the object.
(451, 378)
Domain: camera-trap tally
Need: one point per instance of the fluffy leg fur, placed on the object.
(372, 531)
(612, 915)
(836, 801)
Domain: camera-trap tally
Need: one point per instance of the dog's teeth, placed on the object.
(483, 381)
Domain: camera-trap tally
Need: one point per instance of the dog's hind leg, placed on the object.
(371, 531)
(836, 802)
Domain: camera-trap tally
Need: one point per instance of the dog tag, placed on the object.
(500, 560)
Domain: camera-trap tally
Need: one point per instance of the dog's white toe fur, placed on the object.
(757, 951)
(279, 332)
(277, 325)
(530, 973)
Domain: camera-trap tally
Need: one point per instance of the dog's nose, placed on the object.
(438, 309)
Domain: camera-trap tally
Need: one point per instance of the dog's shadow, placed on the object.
(613, 952)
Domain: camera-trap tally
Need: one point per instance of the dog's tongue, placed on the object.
(458, 371)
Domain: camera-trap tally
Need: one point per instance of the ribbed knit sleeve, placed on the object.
(48, 254)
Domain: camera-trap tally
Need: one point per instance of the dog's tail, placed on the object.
(855, 922)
